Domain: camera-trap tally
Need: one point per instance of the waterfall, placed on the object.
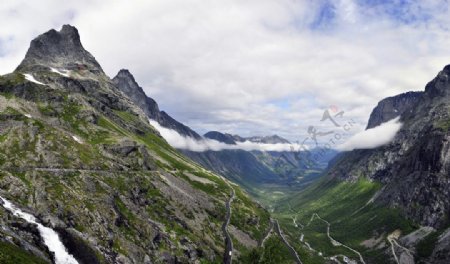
(50, 237)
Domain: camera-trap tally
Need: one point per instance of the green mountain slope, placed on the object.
(80, 156)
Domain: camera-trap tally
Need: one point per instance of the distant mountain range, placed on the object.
(253, 169)
(233, 139)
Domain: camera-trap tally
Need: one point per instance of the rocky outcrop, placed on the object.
(24, 235)
(126, 83)
(392, 107)
(441, 252)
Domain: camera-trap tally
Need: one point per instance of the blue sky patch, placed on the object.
(402, 11)
(325, 16)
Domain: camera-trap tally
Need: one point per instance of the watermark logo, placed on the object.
(304, 156)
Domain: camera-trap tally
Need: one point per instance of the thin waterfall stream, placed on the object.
(50, 237)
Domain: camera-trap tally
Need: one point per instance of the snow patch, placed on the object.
(64, 73)
(30, 78)
(50, 237)
(77, 139)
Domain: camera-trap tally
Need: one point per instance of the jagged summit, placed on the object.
(59, 49)
(398, 105)
(125, 81)
(126, 74)
(392, 107)
(438, 86)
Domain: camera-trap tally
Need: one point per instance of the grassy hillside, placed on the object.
(353, 219)
(113, 184)
(12, 254)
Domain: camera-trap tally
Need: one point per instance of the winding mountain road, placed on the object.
(294, 219)
(334, 241)
(228, 254)
(266, 236)
(21, 169)
(291, 249)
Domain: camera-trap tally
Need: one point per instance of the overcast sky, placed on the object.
(251, 67)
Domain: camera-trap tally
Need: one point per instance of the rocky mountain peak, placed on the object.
(125, 81)
(59, 49)
(392, 107)
(439, 86)
(125, 74)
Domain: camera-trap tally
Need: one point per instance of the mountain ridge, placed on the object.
(125, 81)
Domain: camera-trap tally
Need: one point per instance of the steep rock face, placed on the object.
(415, 166)
(125, 81)
(59, 49)
(441, 252)
(392, 107)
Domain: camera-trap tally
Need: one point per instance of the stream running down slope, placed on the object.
(50, 237)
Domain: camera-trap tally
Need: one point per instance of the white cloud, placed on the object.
(226, 61)
(181, 142)
(374, 137)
